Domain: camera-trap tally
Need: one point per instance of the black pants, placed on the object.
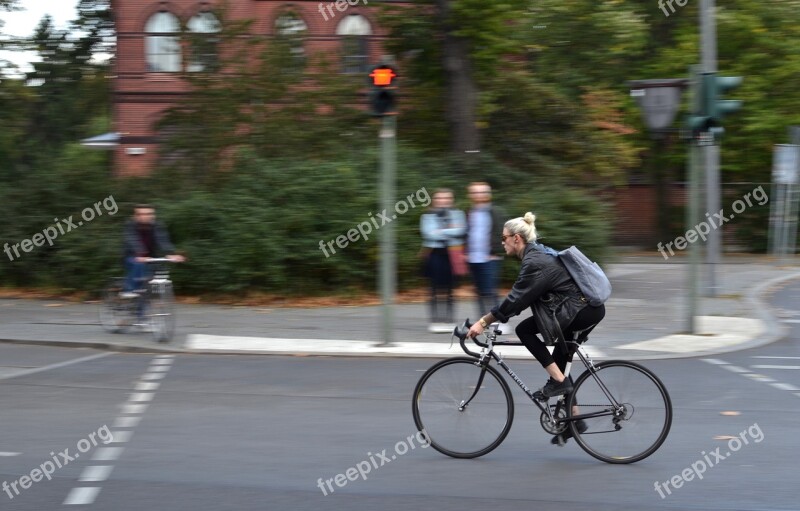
(440, 273)
(526, 331)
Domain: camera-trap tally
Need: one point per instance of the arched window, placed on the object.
(354, 30)
(290, 30)
(162, 43)
(203, 43)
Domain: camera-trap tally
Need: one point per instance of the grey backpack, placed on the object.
(587, 274)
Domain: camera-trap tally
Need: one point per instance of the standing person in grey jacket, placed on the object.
(442, 226)
(544, 285)
(142, 239)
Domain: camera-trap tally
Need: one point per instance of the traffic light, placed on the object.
(708, 109)
(383, 91)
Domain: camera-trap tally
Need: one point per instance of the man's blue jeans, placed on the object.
(135, 278)
(485, 277)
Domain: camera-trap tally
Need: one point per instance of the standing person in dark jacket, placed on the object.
(544, 285)
(483, 246)
(144, 238)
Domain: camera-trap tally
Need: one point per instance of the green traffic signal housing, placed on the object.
(708, 109)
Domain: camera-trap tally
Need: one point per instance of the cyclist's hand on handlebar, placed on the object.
(176, 258)
(475, 330)
(142, 259)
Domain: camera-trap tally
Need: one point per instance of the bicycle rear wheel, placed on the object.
(116, 313)
(637, 428)
(452, 428)
(161, 312)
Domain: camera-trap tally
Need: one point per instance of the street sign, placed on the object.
(785, 164)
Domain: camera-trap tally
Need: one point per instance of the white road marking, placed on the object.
(126, 422)
(759, 377)
(735, 369)
(130, 409)
(36, 370)
(144, 385)
(96, 473)
(161, 362)
(159, 369)
(120, 437)
(782, 358)
(715, 361)
(153, 376)
(141, 397)
(82, 496)
(107, 453)
(791, 320)
(9, 454)
(785, 386)
(775, 367)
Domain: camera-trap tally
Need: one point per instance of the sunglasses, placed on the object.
(504, 236)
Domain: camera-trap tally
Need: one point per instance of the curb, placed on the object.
(775, 331)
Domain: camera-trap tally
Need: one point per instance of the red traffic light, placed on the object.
(382, 76)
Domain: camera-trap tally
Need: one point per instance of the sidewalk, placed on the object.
(645, 319)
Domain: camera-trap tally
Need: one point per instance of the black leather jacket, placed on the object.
(547, 288)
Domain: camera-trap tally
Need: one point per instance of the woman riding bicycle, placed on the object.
(544, 285)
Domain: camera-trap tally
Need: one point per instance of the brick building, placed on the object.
(153, 52)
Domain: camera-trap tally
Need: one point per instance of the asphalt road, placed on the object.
(215, 433)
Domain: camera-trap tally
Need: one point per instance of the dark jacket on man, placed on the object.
(547, 288)
(133, 246)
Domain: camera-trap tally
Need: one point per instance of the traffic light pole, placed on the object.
(388, 252)
(708, 45)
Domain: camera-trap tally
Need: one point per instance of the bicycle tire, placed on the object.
(640, 430)
(115, 313)
(474, 431)
(161, 312)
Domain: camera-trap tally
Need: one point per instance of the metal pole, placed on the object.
(388, 265)
(708, 49)
(695, 154)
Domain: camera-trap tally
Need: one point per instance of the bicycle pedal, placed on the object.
(539, 396)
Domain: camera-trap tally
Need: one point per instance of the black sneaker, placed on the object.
(553, 388)
(561, 439)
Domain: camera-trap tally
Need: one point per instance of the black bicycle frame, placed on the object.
(483, 360)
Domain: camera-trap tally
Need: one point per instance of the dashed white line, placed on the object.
(120, 437)
(159, 369)
(126, 422)
(785, 386)
(153, 376)
(141, 396)
(146, 385)
(775, 367)
(133, 409)
(96, 473)
(735, 369)
(783, 358)
(9, 454)
(161, 361)
(715, 361)
(82, 496)
(107, 453)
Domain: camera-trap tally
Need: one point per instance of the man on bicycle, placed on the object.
(144, 238)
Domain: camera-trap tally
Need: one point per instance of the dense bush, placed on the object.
(259, 226)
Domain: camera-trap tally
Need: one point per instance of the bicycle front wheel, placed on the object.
(116, 313)
(635, 428)
(456, 419)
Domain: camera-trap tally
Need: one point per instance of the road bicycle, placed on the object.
(151, 307)
(464, 407)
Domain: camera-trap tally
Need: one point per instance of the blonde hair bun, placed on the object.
(529, 218)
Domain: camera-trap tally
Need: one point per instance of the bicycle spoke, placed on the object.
(636, 428)
(458, 430)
